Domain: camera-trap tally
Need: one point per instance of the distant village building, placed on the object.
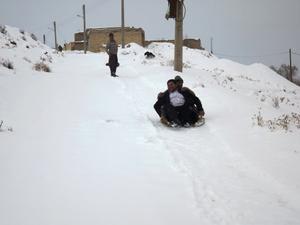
(98, 37)
(189, 42)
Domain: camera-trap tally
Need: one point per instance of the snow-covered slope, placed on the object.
(22, 51)
(86, 148)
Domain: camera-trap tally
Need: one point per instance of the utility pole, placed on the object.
(123, 24)
(44, 39)
(84, 30)
(211, 45)
(178, 37)
(291, 66)
(55, 36)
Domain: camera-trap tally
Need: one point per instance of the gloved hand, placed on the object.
(201, 114)
(164, 120)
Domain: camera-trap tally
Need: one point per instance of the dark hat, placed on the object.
(178, 78)
(171, 80)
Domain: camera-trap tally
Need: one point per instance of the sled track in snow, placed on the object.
(204, 196)
(212, 182)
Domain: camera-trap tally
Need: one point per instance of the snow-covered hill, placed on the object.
(20, 51)
(80, 147)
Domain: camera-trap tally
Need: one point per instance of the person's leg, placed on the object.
(182, 114)
(190, 115)
(110, 63)
(171, 114)
(187, 115)
(114, 64)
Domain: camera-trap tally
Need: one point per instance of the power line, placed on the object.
(295, 53)
(251, 56)
(69, 19)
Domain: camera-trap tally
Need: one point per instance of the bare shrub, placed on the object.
(33, 37)
(13, 43)
(275, 102)
(284, 70)
(230, 78)
(3, 29)
(41, 66)
(7, 64)
(283, 122)
(258, 119)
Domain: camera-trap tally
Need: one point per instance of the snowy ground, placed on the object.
(79, 147)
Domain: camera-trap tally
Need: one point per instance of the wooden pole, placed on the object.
(84, 30)
(123, 24)
(44, 39)
(55, 36)
(291, 66)
(178, 37)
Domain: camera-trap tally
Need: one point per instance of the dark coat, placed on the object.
(191, 100)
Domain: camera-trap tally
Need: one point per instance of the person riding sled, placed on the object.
(176, 106)
(194, 102)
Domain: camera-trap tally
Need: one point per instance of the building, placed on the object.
(98, 37)
(189, 42)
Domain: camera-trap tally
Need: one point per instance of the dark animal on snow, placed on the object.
(149, 55)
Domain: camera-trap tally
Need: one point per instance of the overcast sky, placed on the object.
(240, 28)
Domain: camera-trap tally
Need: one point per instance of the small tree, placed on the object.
(284, 70)
(3, 29)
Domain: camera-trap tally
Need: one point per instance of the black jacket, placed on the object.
(191, 100)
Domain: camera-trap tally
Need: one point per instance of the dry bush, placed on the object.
(33, 37)
(283, 122)
(258, 119)
(230, 78)
(41, 66)
(3, 29)
(275, 102)
(7, 63)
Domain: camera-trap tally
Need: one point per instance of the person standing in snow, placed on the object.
(112, 51)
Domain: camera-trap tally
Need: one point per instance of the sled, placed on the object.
(199, 123)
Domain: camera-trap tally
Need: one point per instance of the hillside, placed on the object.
(80, 147)
(20, 51)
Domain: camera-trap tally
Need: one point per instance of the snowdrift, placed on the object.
(21, 51)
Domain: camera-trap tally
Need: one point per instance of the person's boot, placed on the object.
(199, 122)
(164, 120)
(176, 123)
(187, 125)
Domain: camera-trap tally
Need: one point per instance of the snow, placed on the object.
(80, 147)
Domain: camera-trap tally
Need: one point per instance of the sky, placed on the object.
(244, 31)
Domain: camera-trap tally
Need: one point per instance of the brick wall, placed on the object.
(73, 46)
(98, 37)
(190, 43)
